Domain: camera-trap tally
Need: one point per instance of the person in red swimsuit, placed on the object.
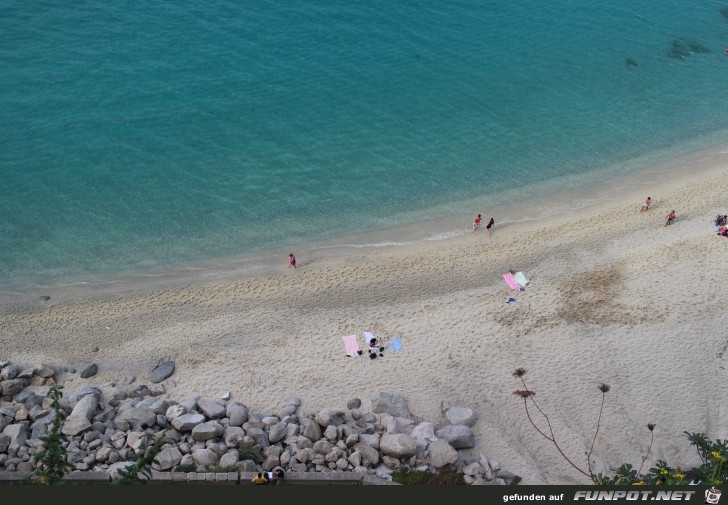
(476, 223)
(291, 261)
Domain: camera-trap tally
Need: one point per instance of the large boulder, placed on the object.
(237, 413)
(310, 429)
(167, 459)
(205, 457)
(393, 404)
(211, 409)
(207, 431)
(441, 454)
(17, 433)
(186, 422)
(424, 434)
(457, 435)
(398, 445)
(86, 407)
(12, 387)
(368, 453)
(459, 415)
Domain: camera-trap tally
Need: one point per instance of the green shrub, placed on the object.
(51, 463)
(191, 468)
(247, 454)
(419, 478)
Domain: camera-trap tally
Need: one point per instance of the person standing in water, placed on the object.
(476, 222)
(489, 226)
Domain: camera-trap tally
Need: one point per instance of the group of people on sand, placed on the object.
(669, 219)
(489, 227)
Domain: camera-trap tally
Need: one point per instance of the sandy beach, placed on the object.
(615, 298)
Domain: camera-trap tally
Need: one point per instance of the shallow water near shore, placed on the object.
(174, 140)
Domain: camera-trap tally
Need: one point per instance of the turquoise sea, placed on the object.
(152, 135)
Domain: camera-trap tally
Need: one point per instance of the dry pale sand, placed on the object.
(616, 298)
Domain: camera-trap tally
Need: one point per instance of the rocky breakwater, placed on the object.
(107, 426)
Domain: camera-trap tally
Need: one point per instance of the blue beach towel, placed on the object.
(396, 344)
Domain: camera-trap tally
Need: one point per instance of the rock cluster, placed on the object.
(106, 429)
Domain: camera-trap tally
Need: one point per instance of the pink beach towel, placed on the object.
(352, 346)
(511, 281)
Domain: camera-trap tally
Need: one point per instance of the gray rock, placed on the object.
(277, 432)
(393, 404)
(424, 433)
(234, 436)
(89, 371)
(17, 433)
(11, 387)
(9, 372)
(138, 417)
(354, 403)
(458, 436)
(205, 457)
(322, 447)
(237, 413)
(86, 407)
(88, 390)
(310, 429)
(162, 371)
(372, 439)
(167, 459)
(398, 445)
(114, 468)
(225, 397)
(259, 436)
(45, 371)
(229, 459)
(207, 431)
(508, 478)
(187, 422)
(26, 373)
(128, 380)
(75, 425)
(288, 410)
(211, 409)
(330, 415)
(460, 415)
(174, 411)
(441, 454)
(292, 400)
(368, 453)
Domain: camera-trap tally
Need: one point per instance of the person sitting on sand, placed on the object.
(646, 205)
(259, 479)
(277, 478)
(375, 349)
(670, 218)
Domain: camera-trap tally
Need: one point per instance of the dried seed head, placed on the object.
(524, 394)
(603, 388)
(519, 372)
(650, 426)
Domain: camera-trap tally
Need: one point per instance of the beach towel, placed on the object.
(352, 346)
(511, 281)
(521, 279)
(368, 337)
(396, 345)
